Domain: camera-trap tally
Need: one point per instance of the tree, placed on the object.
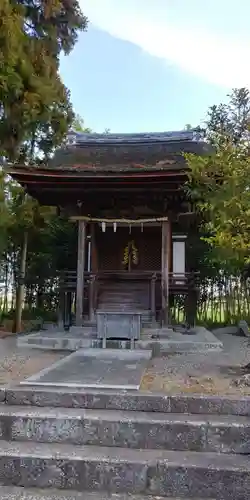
(219, 182)
(35, 110)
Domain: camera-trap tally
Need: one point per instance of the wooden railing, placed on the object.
(176, 280)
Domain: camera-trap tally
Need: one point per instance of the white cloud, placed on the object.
(220, 58)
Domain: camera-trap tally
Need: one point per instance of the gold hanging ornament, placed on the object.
(130, 254)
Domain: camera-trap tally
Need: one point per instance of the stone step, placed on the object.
(149, 324)
(120, 293)
(120, 299)
(15, 493)
(88, 322)
(73, 342)
(121, 304)
(124, 295)
(120, 307)
(57, 343)
(116, 470)
(123, 285)
(117, 296)
(124, 292)
(83, 331)
(137, 430)
(126, 400)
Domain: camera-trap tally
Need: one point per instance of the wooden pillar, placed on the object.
(152, 298)
(67, 310)
(94, 256)
(60, 317)
(80, 272)
(92, 297)
(165, 258)
(94, 278)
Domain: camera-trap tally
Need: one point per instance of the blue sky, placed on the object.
(155, 65)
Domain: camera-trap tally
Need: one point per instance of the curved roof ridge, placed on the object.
(75, 137)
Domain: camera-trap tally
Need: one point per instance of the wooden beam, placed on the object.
(139, 220)
(170, 247)
(80, 272)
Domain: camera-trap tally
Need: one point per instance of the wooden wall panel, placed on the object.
(110, 248)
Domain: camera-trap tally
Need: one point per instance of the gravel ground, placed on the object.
(211, 373)
(16, 364)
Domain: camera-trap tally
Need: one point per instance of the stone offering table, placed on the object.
(117, 324)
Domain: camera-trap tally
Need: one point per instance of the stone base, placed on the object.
(159, 340)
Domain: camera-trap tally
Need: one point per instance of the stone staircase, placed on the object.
(99, 445)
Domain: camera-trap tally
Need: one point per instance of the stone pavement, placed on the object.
(100, 368)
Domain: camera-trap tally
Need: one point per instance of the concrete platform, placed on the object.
(95, 368)
(169, 341)
(72, 340)
(160, 340)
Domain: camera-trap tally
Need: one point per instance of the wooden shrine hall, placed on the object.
(126, 193)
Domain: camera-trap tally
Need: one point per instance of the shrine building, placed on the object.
(126, 193)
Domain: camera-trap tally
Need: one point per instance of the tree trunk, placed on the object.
(39, 297)
(5, 303)
(20, 286)
(13, 279)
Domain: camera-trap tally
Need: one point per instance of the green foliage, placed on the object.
(35, 115)
(35, 110)
(219, 183)
(78, 125)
